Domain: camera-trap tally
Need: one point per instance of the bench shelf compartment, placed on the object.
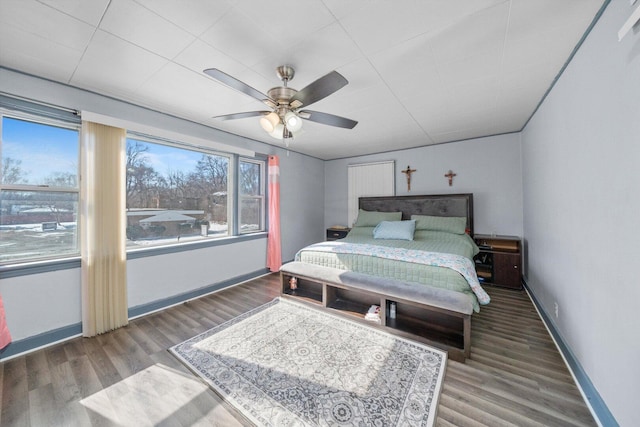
(308, 290)
(446, 329)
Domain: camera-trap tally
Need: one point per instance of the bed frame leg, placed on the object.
(467, 335)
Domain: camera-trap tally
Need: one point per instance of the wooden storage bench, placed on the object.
(438, 317)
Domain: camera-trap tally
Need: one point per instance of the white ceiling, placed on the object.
(420, 72)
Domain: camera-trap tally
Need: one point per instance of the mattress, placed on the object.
(424, 240)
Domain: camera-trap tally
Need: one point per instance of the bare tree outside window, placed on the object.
(174, 194)
(12, 172)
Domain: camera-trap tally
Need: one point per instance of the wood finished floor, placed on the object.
(515, 375)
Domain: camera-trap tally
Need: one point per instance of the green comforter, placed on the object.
(432, 241)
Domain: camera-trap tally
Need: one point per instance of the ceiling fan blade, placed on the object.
(328, 119)
(320, 89)
(242, 115)
(236, 84)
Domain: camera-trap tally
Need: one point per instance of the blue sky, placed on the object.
(43, 149)
(164, 158)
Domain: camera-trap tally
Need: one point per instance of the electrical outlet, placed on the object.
(555, 308)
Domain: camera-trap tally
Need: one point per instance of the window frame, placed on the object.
(231, 172)
(26, 117)
(262, 196)
(70, 120)
(45, 188)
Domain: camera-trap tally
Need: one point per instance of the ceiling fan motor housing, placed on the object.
(285, 73)
(282, 95)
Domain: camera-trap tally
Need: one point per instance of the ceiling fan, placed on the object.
(284, 120)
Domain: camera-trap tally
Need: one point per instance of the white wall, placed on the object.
(159, 277)
(301, 203)
(490, 168)
(581, 186)
(39, 303)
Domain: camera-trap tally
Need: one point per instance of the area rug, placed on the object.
(288, 364)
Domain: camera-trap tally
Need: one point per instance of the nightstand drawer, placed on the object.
(337, 233)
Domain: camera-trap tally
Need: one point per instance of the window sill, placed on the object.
(199, 244)
(39, 267)
(47, 266)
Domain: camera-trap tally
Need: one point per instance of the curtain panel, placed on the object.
(5, 335)
(274, 252)
(103, 229)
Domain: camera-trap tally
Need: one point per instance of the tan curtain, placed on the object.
(103, 222)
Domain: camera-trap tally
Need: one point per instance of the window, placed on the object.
(38, 191)
(251, 193)
(174, 194)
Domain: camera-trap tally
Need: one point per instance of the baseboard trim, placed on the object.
(145, 309)
(36, 342)
(598, 407)
(65, 333)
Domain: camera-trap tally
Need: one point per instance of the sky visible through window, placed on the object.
(164, 159)
(46, 150)
(43, 150)
(173, 194)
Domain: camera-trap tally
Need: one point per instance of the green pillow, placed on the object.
(450, 224)
(372, 218)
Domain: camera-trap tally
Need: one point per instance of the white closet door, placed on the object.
(369, 179)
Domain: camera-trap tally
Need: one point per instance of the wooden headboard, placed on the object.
(436, 205)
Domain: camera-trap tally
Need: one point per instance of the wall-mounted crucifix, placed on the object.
(408, 171)
(450, 175)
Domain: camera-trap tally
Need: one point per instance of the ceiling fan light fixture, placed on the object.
(278, 131)
(269, 122)
(294, 123)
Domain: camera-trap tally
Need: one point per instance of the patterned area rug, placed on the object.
(286, 364)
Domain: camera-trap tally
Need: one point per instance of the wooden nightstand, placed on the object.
(335, 233)
(500, 260)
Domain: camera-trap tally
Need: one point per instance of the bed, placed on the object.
(443, 224)
(412, 253)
